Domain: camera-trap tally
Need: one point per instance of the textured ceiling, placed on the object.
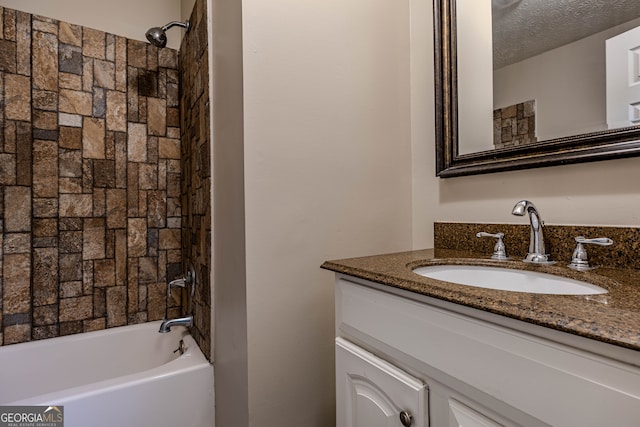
(525, 28)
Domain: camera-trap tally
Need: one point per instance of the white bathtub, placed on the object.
(127, 376)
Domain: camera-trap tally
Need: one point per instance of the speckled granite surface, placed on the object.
(613, 317)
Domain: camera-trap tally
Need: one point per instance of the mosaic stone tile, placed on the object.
(17, 97)
(47, 120)
(121, 63)
(45, 315)
(7, 56)
(70, 34)
(104, 273)
(137, 142)
(45, 227)
(9, 26)
(157, 211)
(70, 120)
(70, 81)
(93, 239)
(45, 61)
(76, 205)
(71, 289)
(120, 254)
(70, 185)
(99, 103)
(169, 148)
(78, 308)
(70, 163)
(17, 201)
(16, 243)
(70, 328)
(169, 238)
(45, 25)
(70, 242)
(9, 134)
(45, 208)
(44, 332)
(116, 208)
(137, 237)
(168, 58)
(93, 43)
(45, 276)
(104, 173)
(156, 301)
(17, 333)
(148, 176)
(45, 168)
(7, 169)
(16, 288)
(137, 53)
(116, 111)
(156, 119)
(93, 134)
(94, 324)
(104, 74)
(70, 58)
(75, 102)
(87, 74)
(110, 48)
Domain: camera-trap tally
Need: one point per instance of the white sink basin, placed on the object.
(509, 280)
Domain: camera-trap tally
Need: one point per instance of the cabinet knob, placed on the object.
(405, 418)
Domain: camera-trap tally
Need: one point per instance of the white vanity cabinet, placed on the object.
(453, 366)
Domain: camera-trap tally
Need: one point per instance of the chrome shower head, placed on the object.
(157, 35)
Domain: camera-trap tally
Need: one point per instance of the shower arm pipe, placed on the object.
(186, 25)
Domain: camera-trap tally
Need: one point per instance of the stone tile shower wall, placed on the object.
(90, 208)
(196, 179)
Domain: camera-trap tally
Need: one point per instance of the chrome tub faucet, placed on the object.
(537, 253)
(188, 280)
(180, 321)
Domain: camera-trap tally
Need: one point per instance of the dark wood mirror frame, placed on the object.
(605, 145)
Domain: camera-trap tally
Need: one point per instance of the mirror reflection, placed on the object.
(534, 70)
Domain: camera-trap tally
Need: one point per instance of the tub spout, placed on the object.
(180, 321)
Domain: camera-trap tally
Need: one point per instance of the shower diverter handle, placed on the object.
(188, 280)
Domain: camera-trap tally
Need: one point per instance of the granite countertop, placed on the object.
(613, 317)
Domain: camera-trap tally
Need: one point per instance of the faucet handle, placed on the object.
(580, 259)
(189, 279)
(499, 250)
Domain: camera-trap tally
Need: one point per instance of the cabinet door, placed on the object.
(461, 415)
(451, 408)
(371, 392)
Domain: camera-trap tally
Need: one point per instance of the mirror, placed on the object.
(521, 84)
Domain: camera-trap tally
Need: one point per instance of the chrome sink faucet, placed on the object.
(537, 253)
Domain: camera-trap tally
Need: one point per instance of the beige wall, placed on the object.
(125, 18)
(602, 193)
(228, 278)
(475, 87)
(327, 154)
(186, 7)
